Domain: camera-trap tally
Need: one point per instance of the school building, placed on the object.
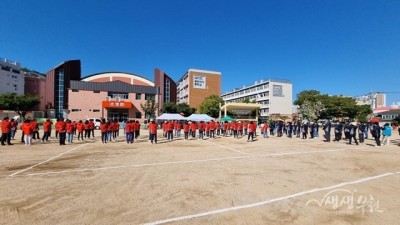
(274, 96)
(195, 85)
(12, 79)
(112, 95)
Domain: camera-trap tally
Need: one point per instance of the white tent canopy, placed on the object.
(171, 116)
(200, 117)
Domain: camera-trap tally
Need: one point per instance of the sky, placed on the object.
(338, 47)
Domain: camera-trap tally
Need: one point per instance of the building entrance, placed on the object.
(118, 114)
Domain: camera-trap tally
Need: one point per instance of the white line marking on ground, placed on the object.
(38, 164)
(173, 162)
(224, 210)
(222, 146)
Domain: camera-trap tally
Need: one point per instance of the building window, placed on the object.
(96, 110)
(74, 90)
(6, 68)
(96, 91)
(76, 110)
(138, 115)
(167, 88)
(138, 96)
(149, 97)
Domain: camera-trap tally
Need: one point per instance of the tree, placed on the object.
(311, 110)
(315, 105)
(21, 104)
(170, 107)
(184, 108)
(210, 105)
(362, 113)
(310, 95)
(149, 108)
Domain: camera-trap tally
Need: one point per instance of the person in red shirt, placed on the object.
(91, 127)
(27, 131)
(234, 127)
(170, 130)
(103, 130)
(116, 129)
(207, 129)
(46, 130)
(86, 126)
(225, 129)
(165, 128)
(80, 128)
(129, 132)
(61, 128)
(153, 131)
(193, 127)
(252, 129)
(5, 131)
(35, 128)
(137, 129)
(218, 128)
(70, 131)
(186, 130)
(239, 129)
(212, 129)
(202, 128)
(264, 130)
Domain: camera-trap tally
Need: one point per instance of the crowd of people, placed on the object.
(202, 129)
(66, 130)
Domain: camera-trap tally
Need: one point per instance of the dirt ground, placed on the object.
(213, 181)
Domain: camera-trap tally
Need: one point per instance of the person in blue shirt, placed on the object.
(386, 133)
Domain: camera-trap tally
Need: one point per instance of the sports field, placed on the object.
(213, 181)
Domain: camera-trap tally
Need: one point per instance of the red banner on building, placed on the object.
(117, 104)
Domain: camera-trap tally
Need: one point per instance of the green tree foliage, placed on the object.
(149, 108)
(181, 108)
(310, 95)
(210, 105)
(184, 108)
(170, 107)
(21, 104)
(318, 106)
(311, 109)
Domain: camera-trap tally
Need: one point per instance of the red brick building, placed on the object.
(111, 95)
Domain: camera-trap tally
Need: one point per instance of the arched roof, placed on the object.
(110, 75)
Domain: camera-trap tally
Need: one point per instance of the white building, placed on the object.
(12, 79)
(375, 100)
(274, 95)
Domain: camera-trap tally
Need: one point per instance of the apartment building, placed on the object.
(274, 95)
